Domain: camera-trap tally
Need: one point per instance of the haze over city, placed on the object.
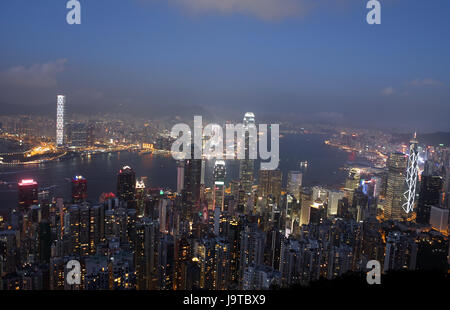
(290, 59)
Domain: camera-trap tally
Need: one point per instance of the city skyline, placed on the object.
(252, 147)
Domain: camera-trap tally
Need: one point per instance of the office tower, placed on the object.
(180, 176)
(396, 165)
(270, 185)
(319, 193)
(219, 184)
(28, 193)
(79, 189)
(163, 206)
(305, 204)
(439, 219)
(140, 198)
(217, 215)
(294, 183)
(60, 110)
(430, 192)
(79, 135)
(352, 183)
(411, 175)
(45, 242)
(333, 200)
(126, 183)
(246, 166)
(192, 179)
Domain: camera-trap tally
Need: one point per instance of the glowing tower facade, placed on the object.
(60, 109)
(411, 175)
(219, 184)
(246, 166)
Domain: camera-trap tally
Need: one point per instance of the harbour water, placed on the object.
(324, 163)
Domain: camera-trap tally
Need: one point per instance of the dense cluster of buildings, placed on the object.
(249, 233)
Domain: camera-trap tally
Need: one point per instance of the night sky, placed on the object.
(303, 59)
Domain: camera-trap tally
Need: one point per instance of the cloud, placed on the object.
(425, 82)
(37, 75)
(263, 9)
(388, 91)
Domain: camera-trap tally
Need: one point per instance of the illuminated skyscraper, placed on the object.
(79, 189)
(140, 198)
(333, 199)
(28, 193)
(352, 183)
(395, 186)
(411, 175)
(294, 183)
(352, 180)
(180, 176)
(192, 179)
(60, 109)
(246, 167)
(126, 183)
(219, 183)
(270, 184)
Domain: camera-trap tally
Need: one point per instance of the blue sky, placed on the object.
(303, 58)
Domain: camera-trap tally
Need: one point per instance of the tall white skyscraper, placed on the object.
(219, 184)
(60, 108)
(411, 175)
(247, 165)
